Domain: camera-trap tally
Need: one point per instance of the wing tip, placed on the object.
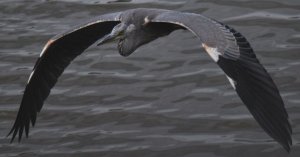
(17, 132)
(9, 133)
(287, 144)
(19, 127)
(287, 147)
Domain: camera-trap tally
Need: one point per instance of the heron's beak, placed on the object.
(106, 39)
(109, 38)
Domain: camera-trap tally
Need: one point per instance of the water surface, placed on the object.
(167, 99)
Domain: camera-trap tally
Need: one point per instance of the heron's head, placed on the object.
(130, 38)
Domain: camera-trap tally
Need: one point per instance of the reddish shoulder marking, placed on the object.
(46, 46)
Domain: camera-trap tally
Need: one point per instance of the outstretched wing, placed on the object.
(232, 52)
(55, 57)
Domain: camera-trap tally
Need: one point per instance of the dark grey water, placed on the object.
(168, 99)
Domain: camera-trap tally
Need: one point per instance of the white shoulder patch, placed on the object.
(41, 54)
(146, 20)
(212, 51)
(232, 82)
(30, 76)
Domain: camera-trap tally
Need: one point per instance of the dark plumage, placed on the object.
(136, 27)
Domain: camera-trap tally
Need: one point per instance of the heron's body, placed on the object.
(136, 27)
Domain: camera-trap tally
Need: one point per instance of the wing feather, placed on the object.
(55, 57)
(236, 58)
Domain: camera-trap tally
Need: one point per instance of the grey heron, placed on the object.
(136, 27)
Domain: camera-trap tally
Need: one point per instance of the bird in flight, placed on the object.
(136, 27)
